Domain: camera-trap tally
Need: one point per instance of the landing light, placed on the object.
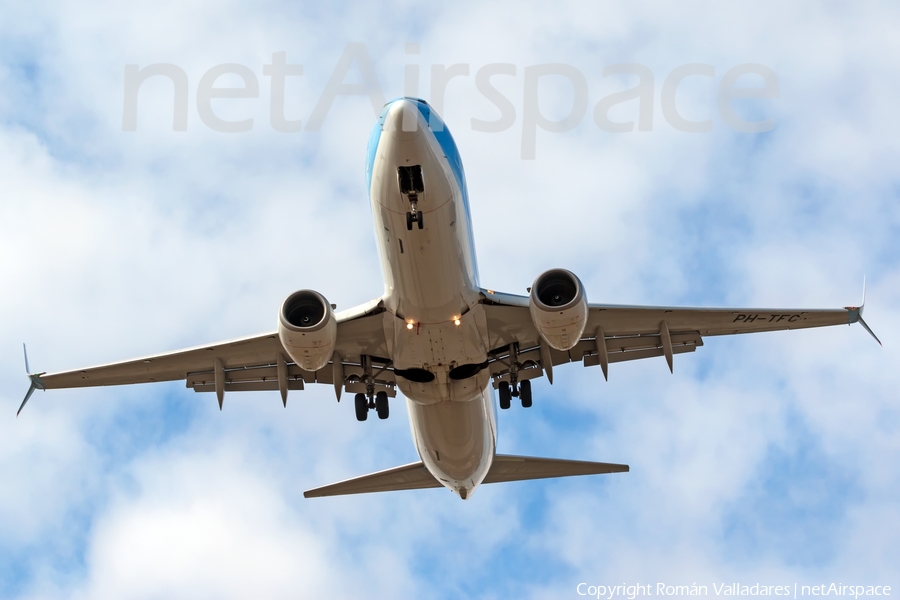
(409, 324)
(456, 321)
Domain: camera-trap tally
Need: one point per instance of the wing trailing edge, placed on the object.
(415, 476)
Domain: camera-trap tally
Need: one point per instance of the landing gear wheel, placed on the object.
(505, 395)
(419, 219)
(362, 407)
(381, 405)
(409, 220)
(525, 393)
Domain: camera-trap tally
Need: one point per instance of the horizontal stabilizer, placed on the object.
(415, 476)
(519, 468)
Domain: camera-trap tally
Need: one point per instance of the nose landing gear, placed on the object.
(411, 185)
(414, 215)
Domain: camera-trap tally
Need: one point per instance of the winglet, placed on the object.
(36, 382)
(856, 313)
(866, 327)
(863, 304)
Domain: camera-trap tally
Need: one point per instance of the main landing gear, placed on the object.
(363, 402)
(380, 403)
(507, 392)
(411, 185)
(513, 387)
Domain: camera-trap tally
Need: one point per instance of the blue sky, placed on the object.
(767, 458)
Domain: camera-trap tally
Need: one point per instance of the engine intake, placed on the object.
(307, 329)
(559, 308)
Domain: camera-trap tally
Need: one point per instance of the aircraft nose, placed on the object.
(402, 121)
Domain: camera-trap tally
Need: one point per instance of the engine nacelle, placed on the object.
(307, 329)
(559, 308)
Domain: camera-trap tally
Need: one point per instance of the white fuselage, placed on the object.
(432, 293)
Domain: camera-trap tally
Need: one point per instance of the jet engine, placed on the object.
(559, 308)
(307, 329)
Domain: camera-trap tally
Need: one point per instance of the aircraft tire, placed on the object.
(525, 393)
(362, 407)
(505, 396)
(381, 405)
(419, 220)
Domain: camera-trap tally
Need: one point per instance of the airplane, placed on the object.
(436, 335)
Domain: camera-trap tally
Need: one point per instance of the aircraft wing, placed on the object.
(244, 364)
(616, 333)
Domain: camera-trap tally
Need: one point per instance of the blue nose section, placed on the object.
(403, 121)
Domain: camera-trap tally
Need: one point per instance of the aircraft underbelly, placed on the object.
(432, 292)
(429, 276)
(456, 440)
